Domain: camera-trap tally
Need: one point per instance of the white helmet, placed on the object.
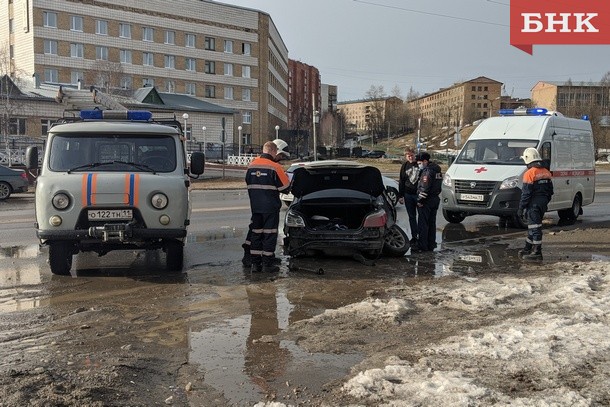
(530, 155)
(281, 145)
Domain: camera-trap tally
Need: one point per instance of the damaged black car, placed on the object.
(341, 208)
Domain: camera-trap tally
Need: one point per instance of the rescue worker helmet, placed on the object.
(530, 155)
(281, 145)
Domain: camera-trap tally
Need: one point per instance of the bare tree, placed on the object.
(105, 75)
(376, 115)
(10, 101)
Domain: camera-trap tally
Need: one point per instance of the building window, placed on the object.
(190, 64)
(49, 19)
(126, 82)
(148, 82)
(11, 51)
(485, 88)
(246, 94)
(245, 71)
(170, 62)
(210, 91)
(51, 75)
(246, 48)
(16, 125)
(170, 37)
(148, 34)
(76, 76)
(210, 67)
(125, 55)
(229, 46)
(246, 118)
(148, 59)
(10, 25)
(229, 92)
(190, 40)
(101, 53)
(101, 27)
(45, 125)
(50, 47)
(76, 23)
(210, 43)
(77, 50)
(228, 69)
(190, 88)
(124, 30)
(170, 86)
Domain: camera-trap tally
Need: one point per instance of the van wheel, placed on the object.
(572, 213)
(175, 255)
(518, 222)
(396, 243)
(60, 258)
(453, 217)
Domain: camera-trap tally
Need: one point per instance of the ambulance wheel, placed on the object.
(572, 213)
(518, 222)
(453, 217)
(60, 258)
(175, 255)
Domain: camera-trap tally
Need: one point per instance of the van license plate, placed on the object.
(471, 258)
(110, 214)
(471, 197)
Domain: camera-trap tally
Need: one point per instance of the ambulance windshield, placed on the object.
(494, 151)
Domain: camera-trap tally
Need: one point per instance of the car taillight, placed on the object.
(24, 176)
(376, 220)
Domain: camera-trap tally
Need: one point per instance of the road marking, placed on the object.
(235, 208)
(22, 220)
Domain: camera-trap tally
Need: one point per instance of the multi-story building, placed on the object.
(303, 94)
(231, 56)
(461, 103)
(573, 98)
(364, 116)
(328, 93)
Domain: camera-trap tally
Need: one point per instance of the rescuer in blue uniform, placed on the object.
(535, 196)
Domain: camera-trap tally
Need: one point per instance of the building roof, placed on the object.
(572, 83)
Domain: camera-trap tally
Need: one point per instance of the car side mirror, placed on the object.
(197, 163)
(31, 158)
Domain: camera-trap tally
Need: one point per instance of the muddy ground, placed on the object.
(127, 341)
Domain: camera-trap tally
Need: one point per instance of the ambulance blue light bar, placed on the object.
(135, 115)
(534, 111)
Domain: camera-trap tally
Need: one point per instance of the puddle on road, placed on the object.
(217, 234)
(20, 279)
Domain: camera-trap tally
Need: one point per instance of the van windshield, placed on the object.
(106, 152)
(494, 151)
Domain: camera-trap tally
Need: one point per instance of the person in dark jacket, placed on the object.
(535, 196)
(407, 190)
(428, 201)
(265, 179)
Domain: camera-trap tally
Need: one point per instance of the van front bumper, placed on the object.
(98, 234)
(498, 203)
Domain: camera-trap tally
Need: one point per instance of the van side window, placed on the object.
(545, 154)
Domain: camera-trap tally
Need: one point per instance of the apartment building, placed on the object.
(328, 94)
(230, 56)
(573, 98)
(363, 116)
(303, 94)
(463, 102)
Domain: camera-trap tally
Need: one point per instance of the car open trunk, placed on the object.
(335, 209)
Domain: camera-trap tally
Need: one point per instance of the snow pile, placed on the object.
(370, 309)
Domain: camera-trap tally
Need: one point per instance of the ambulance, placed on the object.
(486, 176)
(113, 180)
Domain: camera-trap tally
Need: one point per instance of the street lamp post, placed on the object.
(239, 128)
(277, 130)
(203, 129)
(185, 117)
(316, 116)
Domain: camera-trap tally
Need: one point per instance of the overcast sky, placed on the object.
(420, 44)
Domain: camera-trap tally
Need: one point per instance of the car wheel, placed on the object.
(396, 243)
(453, 217)
(175, 255)
(571, 214)
(392, 195)
(60, 258)
(5, 190)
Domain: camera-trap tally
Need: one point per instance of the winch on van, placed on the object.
(486, 176)
(113, 180)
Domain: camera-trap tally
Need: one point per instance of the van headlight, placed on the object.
(159, 200)
(294, 220)
(60, 201)
(447, 180)
(509, 183)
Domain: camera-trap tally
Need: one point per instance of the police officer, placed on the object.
(535, 196)
(265, 179)
(428, 201)
(407, 190)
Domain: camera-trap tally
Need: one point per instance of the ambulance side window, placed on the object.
(545, 154)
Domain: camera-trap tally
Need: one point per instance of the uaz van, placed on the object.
(113, 181)
(486, 177)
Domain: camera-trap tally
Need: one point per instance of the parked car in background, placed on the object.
(375, 154)
(391, 186)
(341, 208)
(11, 181)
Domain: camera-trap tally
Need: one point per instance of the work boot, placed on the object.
(257, 264)
(247, 259)
(526, 250)
(269, 265)
(535, 255)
